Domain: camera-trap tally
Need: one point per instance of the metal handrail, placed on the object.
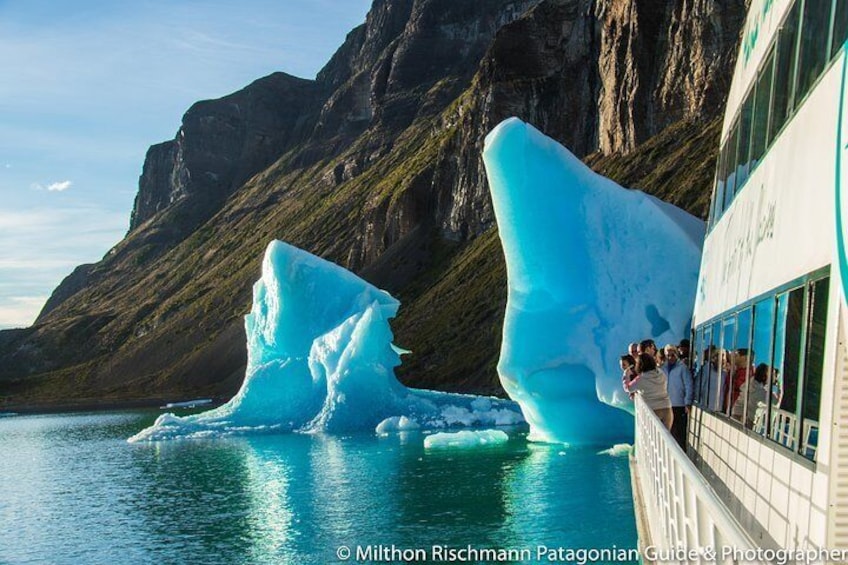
(683, 509)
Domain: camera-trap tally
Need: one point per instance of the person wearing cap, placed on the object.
(681, 391)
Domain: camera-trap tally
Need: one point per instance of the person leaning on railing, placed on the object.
(652, 383)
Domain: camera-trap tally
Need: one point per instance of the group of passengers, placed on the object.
(664, 380)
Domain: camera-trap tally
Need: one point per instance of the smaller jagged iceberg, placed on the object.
(321, 358)
(591, 267)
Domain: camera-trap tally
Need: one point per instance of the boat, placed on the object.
(187, 404)
(764, 473)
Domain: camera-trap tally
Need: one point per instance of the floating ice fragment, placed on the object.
(465, 439)
(397, 424)
(618, 450)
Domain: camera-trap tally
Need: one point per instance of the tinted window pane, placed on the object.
(840, 26)
(813, 54)
(756, 390)
(785, 65)
(741, 362)
(718, 197)
(708, 375)
(732, 168)
(787, 355)
(728, 343)
(695, 359)
(813, 368)
(759, 133)
(777, 387)
(744, 150)
(792, 351)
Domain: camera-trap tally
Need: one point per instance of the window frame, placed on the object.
(717, 211)
(805, 282)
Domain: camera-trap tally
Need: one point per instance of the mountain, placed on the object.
(376, 165)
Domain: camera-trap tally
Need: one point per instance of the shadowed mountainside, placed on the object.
(376, 165)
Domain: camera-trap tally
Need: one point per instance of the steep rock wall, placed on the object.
(376, 165)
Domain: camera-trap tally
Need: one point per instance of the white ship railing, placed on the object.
(683, 511)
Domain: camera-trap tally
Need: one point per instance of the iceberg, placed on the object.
(591, 267)
(321, 359)
(465, 439)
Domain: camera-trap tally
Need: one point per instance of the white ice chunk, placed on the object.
(465, 439)
(397, 424)
(591, 267)
(320, 358)
(618, 450)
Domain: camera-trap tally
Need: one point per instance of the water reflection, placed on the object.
(74, 491)
(570, 498)
(452, 497)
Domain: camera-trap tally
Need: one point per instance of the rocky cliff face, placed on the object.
(663, 62)
(224, 142)
(376, 165)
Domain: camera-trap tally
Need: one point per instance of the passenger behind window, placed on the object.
(710, 380)
(741, 371)
(755, 392)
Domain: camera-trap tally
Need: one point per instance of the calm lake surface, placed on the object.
(72, 490)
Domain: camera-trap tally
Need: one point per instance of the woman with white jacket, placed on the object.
(652, 383)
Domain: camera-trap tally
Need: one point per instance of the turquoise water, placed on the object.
(72, 490)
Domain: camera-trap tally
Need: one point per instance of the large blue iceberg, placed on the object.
(321, 358)
(591, 268)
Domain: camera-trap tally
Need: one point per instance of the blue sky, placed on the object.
(87, 86)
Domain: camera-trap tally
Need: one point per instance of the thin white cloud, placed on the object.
(60, 186)
(20, 311)
(39, 247)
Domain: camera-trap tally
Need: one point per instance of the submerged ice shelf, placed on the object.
(321, 358)
(591, 267)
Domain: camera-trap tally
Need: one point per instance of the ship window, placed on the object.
(732, 167)
(813, 52)
(718, 197)
(740, 361)
(787, 356)
(745, 140)
(696, 359)
(784, 71)
(813, 368)
(840, 26)
(759, 137)
(728, 343)
(763, 366)
(708, 376)
(756, 390)
(711, 218)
